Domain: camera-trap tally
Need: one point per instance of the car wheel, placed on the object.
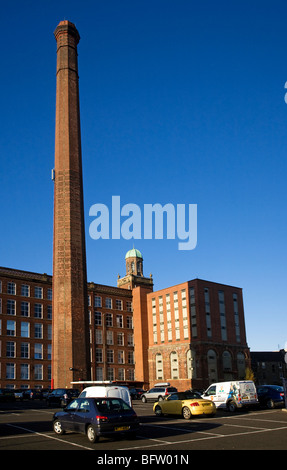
(158, 410)
(57, 426)
(91, 434)
(143, 399)
(186, 413)
(231, 406)
(270, 404)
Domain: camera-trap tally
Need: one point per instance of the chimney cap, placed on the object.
(66, 26)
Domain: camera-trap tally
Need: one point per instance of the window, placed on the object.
(212, 365)
(49, 352)
(121, 357)
(227, 365)
(119, 304)
(241, 365)
(49, 371)
(174, 365)
(193, 312)
(130, 339)
(10, 349)
(110, 356)
(50, 332)
(129, 306)
(129, 322)
(38, 311)
(25, 350)
(11, 307)
(97, 301)
(38, 372)
(98, 318)
(38, 330)
(25, 309)
(11, 288)
(49, 312)
(99, 355)
(25, 290)
(191, 364)
(99, 373)
(108, 302)
(109, 319)
(10, 370)
(120, 339)
(11, 328)
(207, 313)
(110, 337)
(38, 351)
(119, 320)
(25, 330)
(98, 337)
(158, 366)
(49, 294)
(222, 315)
(24, 372)
(211, 391)
(121, 373)
(236, 318)
(130, 357)
(39, 292)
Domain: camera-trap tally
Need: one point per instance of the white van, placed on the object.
(108, 390)
(232, 395)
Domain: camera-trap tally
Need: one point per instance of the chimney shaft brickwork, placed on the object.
(70, 358)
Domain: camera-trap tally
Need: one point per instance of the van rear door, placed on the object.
(248, 392)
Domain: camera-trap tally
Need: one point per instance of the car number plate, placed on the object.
(122, 428)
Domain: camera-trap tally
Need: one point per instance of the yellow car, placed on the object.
(187, 404)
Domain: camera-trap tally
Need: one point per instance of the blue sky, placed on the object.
(182, 102)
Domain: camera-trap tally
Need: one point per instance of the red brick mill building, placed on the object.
(190, 334)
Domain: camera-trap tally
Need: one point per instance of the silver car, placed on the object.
(158, 392)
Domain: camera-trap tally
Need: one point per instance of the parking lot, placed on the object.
(28, 425)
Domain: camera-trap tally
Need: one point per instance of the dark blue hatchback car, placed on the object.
(270, 395)
(97, 417)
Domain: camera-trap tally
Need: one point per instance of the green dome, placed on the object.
(134, 254)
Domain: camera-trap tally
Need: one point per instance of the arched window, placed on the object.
(190, 364)
(174, 369)
(212, 366)
(241, 365)
(158, 367)
(227, 365)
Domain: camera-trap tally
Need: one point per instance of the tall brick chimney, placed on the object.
(70, 354)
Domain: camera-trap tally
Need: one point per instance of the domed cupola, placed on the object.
(134, 262)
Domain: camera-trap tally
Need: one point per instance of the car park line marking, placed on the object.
(215, 436)
(49, 437)
(246, 426)
(186, 430)
(252, 419)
